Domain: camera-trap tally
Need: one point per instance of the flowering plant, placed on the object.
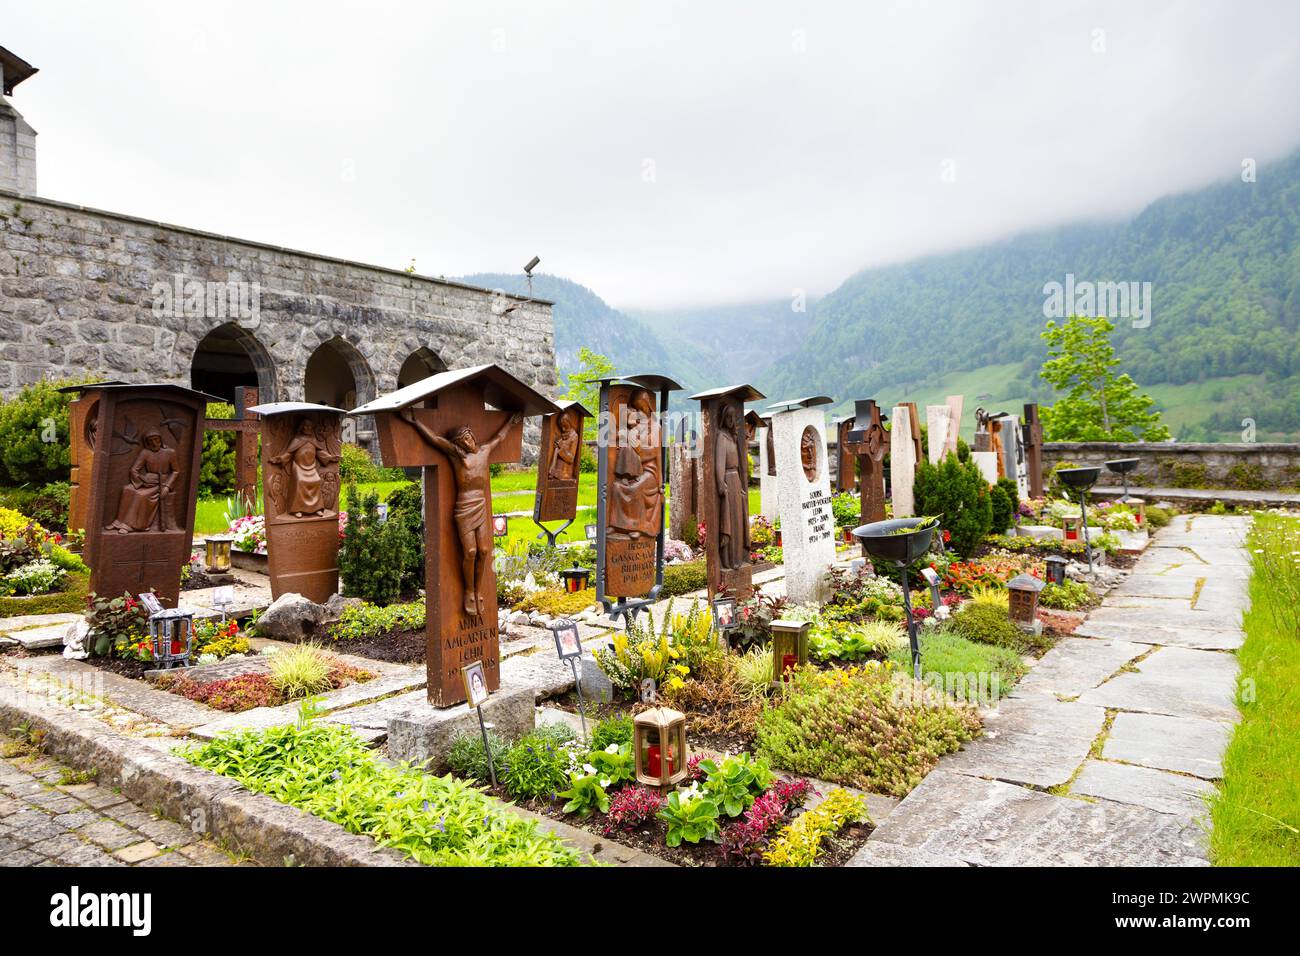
(631, 807)
(35, 577)
(249, 533)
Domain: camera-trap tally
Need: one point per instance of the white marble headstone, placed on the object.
(807, 521)
(987, 462)
(955, 405)
(938, 426)
(767, 503)
(902, 461)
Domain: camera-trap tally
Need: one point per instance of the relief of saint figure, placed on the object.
(302, 462)
(733, 498)
(636, 494)
(472, 466)
(808, 453)
(563, 465)
(146, 503)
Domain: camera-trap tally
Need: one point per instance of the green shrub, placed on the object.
(217, 469)
(34, 435)
(846, 508)
(855, 727)
(963, 668)
(1246, 476)
(1068, 596)
(356, 465)
(989, 623)
(1187, 474)
(328, 771)
(1000, 507)
(684, 578)
(375, 556)
(364, 621)
(1013, 495)
(47, 504)
(691, 533)
(611, 730)
(537, 766)
(1157, 518)
(468, 759)
(959, 495)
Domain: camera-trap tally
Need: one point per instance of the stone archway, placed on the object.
(337, 374)
(420, 364)
(229, 357)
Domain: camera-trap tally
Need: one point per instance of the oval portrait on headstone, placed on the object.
(808, 453)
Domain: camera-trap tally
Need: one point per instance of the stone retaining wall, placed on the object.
(1237, 465)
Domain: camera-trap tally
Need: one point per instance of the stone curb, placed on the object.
(268, 831)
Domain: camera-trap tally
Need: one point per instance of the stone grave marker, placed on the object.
(456, 425)
(804, 495)
(902, 461)
(845, 461)
(869, 441)
(938, 426)
(767, 503)
(1034, 451)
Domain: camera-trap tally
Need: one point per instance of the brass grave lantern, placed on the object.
(659, 742)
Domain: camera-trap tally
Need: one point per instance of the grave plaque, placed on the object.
(1033, 433)
(456, 425)
(630, 490)
(868, 440)
(902, 461)
(724, 490)
(559, 464)
(146, 441)
(804, 493)
(301, 448)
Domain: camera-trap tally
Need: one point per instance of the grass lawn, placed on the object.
(968, 670)
(209, 516)
(1256, 813)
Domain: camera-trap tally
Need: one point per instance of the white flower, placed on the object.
(604, 781)
(612, 749)
(589, 768)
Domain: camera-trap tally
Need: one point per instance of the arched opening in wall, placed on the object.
(420, 364)
(337, 374)
(229, 357)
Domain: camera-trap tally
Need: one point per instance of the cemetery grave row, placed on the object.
(727, 705)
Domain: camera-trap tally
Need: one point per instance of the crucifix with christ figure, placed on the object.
(455, 425)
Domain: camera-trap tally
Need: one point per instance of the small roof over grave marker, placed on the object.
(500, 390)
(1025, 582)
(745, 393)
(791, 404)
(286, 408)
(157, 386)
(575, 406)
(654, 382)
(86, 386)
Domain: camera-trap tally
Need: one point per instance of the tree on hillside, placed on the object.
(1099, 404)
(580, 388)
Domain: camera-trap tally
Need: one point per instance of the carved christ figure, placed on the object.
(733, 499)
(563, 464)
(301, 462)
(808, 453)
(636, 494)
(471, 464)
(146, 500)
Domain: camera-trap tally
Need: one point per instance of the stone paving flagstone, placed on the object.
(1104, 753)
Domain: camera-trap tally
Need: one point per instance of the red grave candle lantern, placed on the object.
(659, 742)
(789, 647)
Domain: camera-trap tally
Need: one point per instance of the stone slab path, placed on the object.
(51, 816)
(1105, 752)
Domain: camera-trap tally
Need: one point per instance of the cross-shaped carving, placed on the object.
(246, 429)
(869, 441)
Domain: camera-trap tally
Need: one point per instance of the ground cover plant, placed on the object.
(327, 771)
(972, 673)
(853, 726)
(1256, 814)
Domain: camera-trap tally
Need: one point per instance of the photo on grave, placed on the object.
(476, 689)
(724, 613)
(567, 642)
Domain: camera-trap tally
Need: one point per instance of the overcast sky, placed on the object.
(661, 153)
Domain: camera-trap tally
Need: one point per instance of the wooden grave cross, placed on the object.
(247, 428)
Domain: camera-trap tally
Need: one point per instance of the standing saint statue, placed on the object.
(301, 462)
(472, 466)
(733, 498)
(146, 499)
(636, 495)
(563, 465)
